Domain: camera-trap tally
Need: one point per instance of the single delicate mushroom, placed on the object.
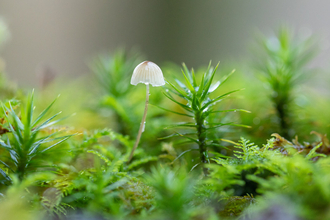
(148, 73)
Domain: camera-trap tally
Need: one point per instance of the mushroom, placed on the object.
(146, 72)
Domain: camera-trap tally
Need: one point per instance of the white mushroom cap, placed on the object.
(148, 73)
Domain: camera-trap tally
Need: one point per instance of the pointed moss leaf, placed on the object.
(3, 173)
(225, 78)
(186, 70)
(201, 86)
(180, 84)
(179, 91)
(14, 152)
(175, 135)
(193, 77)
(312, 153)
(35, 146)
(230, 110)
(194, 167)
(189, 86)
(43, 113)
(178, 113)
(217, 154)
(6, 165)
(64, 139)
(55, 122)
(29, 113)
(208, 85)
(182, 105)
(17, 134)
(44, 124)
(170, 90)
(17, 121)
(229, 141)
(214, 87)
(214, 101)
(187, 124)
(4, 145)
(218, 125)
(183, 153)
(189, 138)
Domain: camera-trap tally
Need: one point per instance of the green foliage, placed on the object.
(281, 63)
(99, 181)
(27, 150)
(230, 176)
(90, 175)
(21, 201)
(295, 178)
(173, 191)
(235, 205)
(115, 154)
(96, 190)
(142, 161)
(251, 155)
(198, 106)
(51, 201)
(302, 182)
(113, 74)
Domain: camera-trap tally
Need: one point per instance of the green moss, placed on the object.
(235, 205)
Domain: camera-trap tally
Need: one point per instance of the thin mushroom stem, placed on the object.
(142, 123)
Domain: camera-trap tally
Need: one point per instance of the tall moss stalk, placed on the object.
(281, 64)
(199, 105)
(24, 144)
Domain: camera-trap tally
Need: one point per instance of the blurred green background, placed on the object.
(278, 52)
(60, 47)
(60, 36)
